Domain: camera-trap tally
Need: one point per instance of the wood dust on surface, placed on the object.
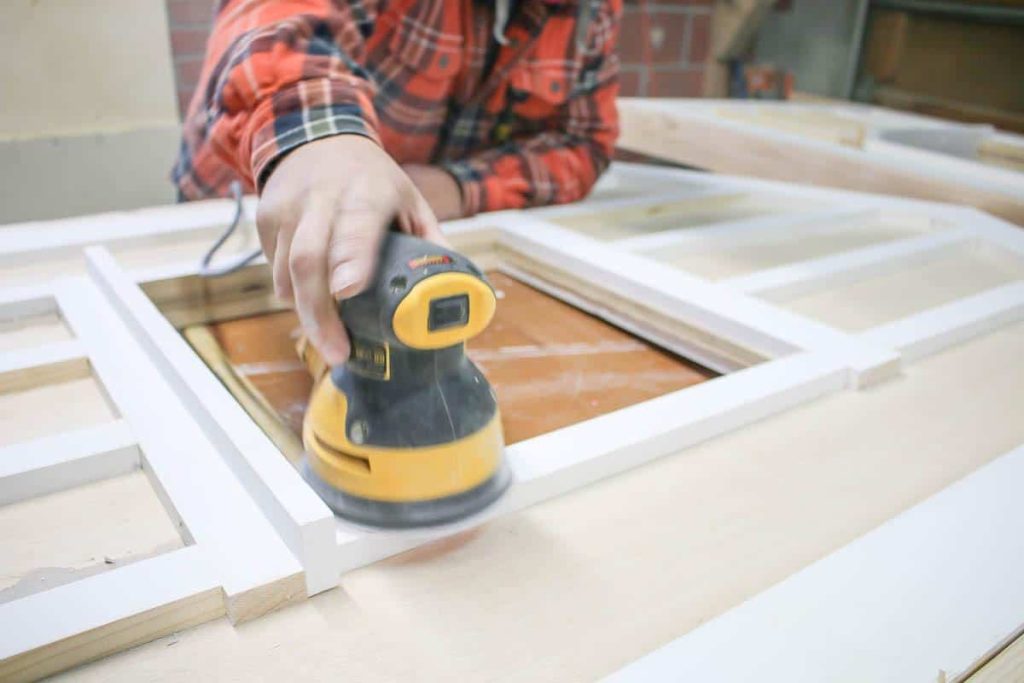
(551, 365)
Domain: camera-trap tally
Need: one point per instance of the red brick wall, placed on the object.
(679, 33)
(189, 22)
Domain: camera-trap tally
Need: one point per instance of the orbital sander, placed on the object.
(406, 432)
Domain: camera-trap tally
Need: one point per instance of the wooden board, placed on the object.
(550, 364)
(694, 133)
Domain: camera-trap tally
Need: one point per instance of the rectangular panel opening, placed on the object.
(557, 353)
(43, 402)
(881, 299)
(71, 534)
(29, 331)
(802, 242)
(632, 221)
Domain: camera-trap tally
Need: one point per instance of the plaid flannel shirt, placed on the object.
(537, 128)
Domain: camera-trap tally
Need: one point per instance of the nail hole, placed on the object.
(398, 283)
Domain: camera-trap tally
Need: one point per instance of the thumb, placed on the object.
(352, 255)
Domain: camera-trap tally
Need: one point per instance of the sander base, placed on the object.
(411, 515)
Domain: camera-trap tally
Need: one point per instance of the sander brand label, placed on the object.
(434, 260)
(371, 359)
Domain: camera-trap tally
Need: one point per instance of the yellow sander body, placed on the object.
(407, 433)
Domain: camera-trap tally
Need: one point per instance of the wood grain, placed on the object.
(550, 364)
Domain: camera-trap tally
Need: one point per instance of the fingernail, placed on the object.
(344, 278)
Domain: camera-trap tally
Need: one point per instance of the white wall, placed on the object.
(88, 117)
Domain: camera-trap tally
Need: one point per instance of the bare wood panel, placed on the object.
(50, 540)
(881, 299)
(52, 408)
(550, 364)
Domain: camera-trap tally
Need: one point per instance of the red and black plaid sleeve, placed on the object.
(277, 75)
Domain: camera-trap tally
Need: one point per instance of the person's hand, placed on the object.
(321, 218)
(439, 188)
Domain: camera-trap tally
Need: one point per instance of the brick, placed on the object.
(190, 12)
(665, 35)
(186, 72)
(677, 82)
(700, 39)
(630, 84)
(189, 42)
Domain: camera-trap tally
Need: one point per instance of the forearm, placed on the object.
(551, 168)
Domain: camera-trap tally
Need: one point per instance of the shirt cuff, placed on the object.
(304, 112)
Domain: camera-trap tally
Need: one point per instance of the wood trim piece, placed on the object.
(914, 600)
(64, 461)
(53, 630)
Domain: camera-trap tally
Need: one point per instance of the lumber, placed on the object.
(106, 613)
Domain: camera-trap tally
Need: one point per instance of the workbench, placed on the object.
(841, 502)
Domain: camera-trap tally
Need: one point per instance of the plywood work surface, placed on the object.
(67, 535)
(580, 585)
(550, 364)
(52, 408)
(881, 299)
(801, 244)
